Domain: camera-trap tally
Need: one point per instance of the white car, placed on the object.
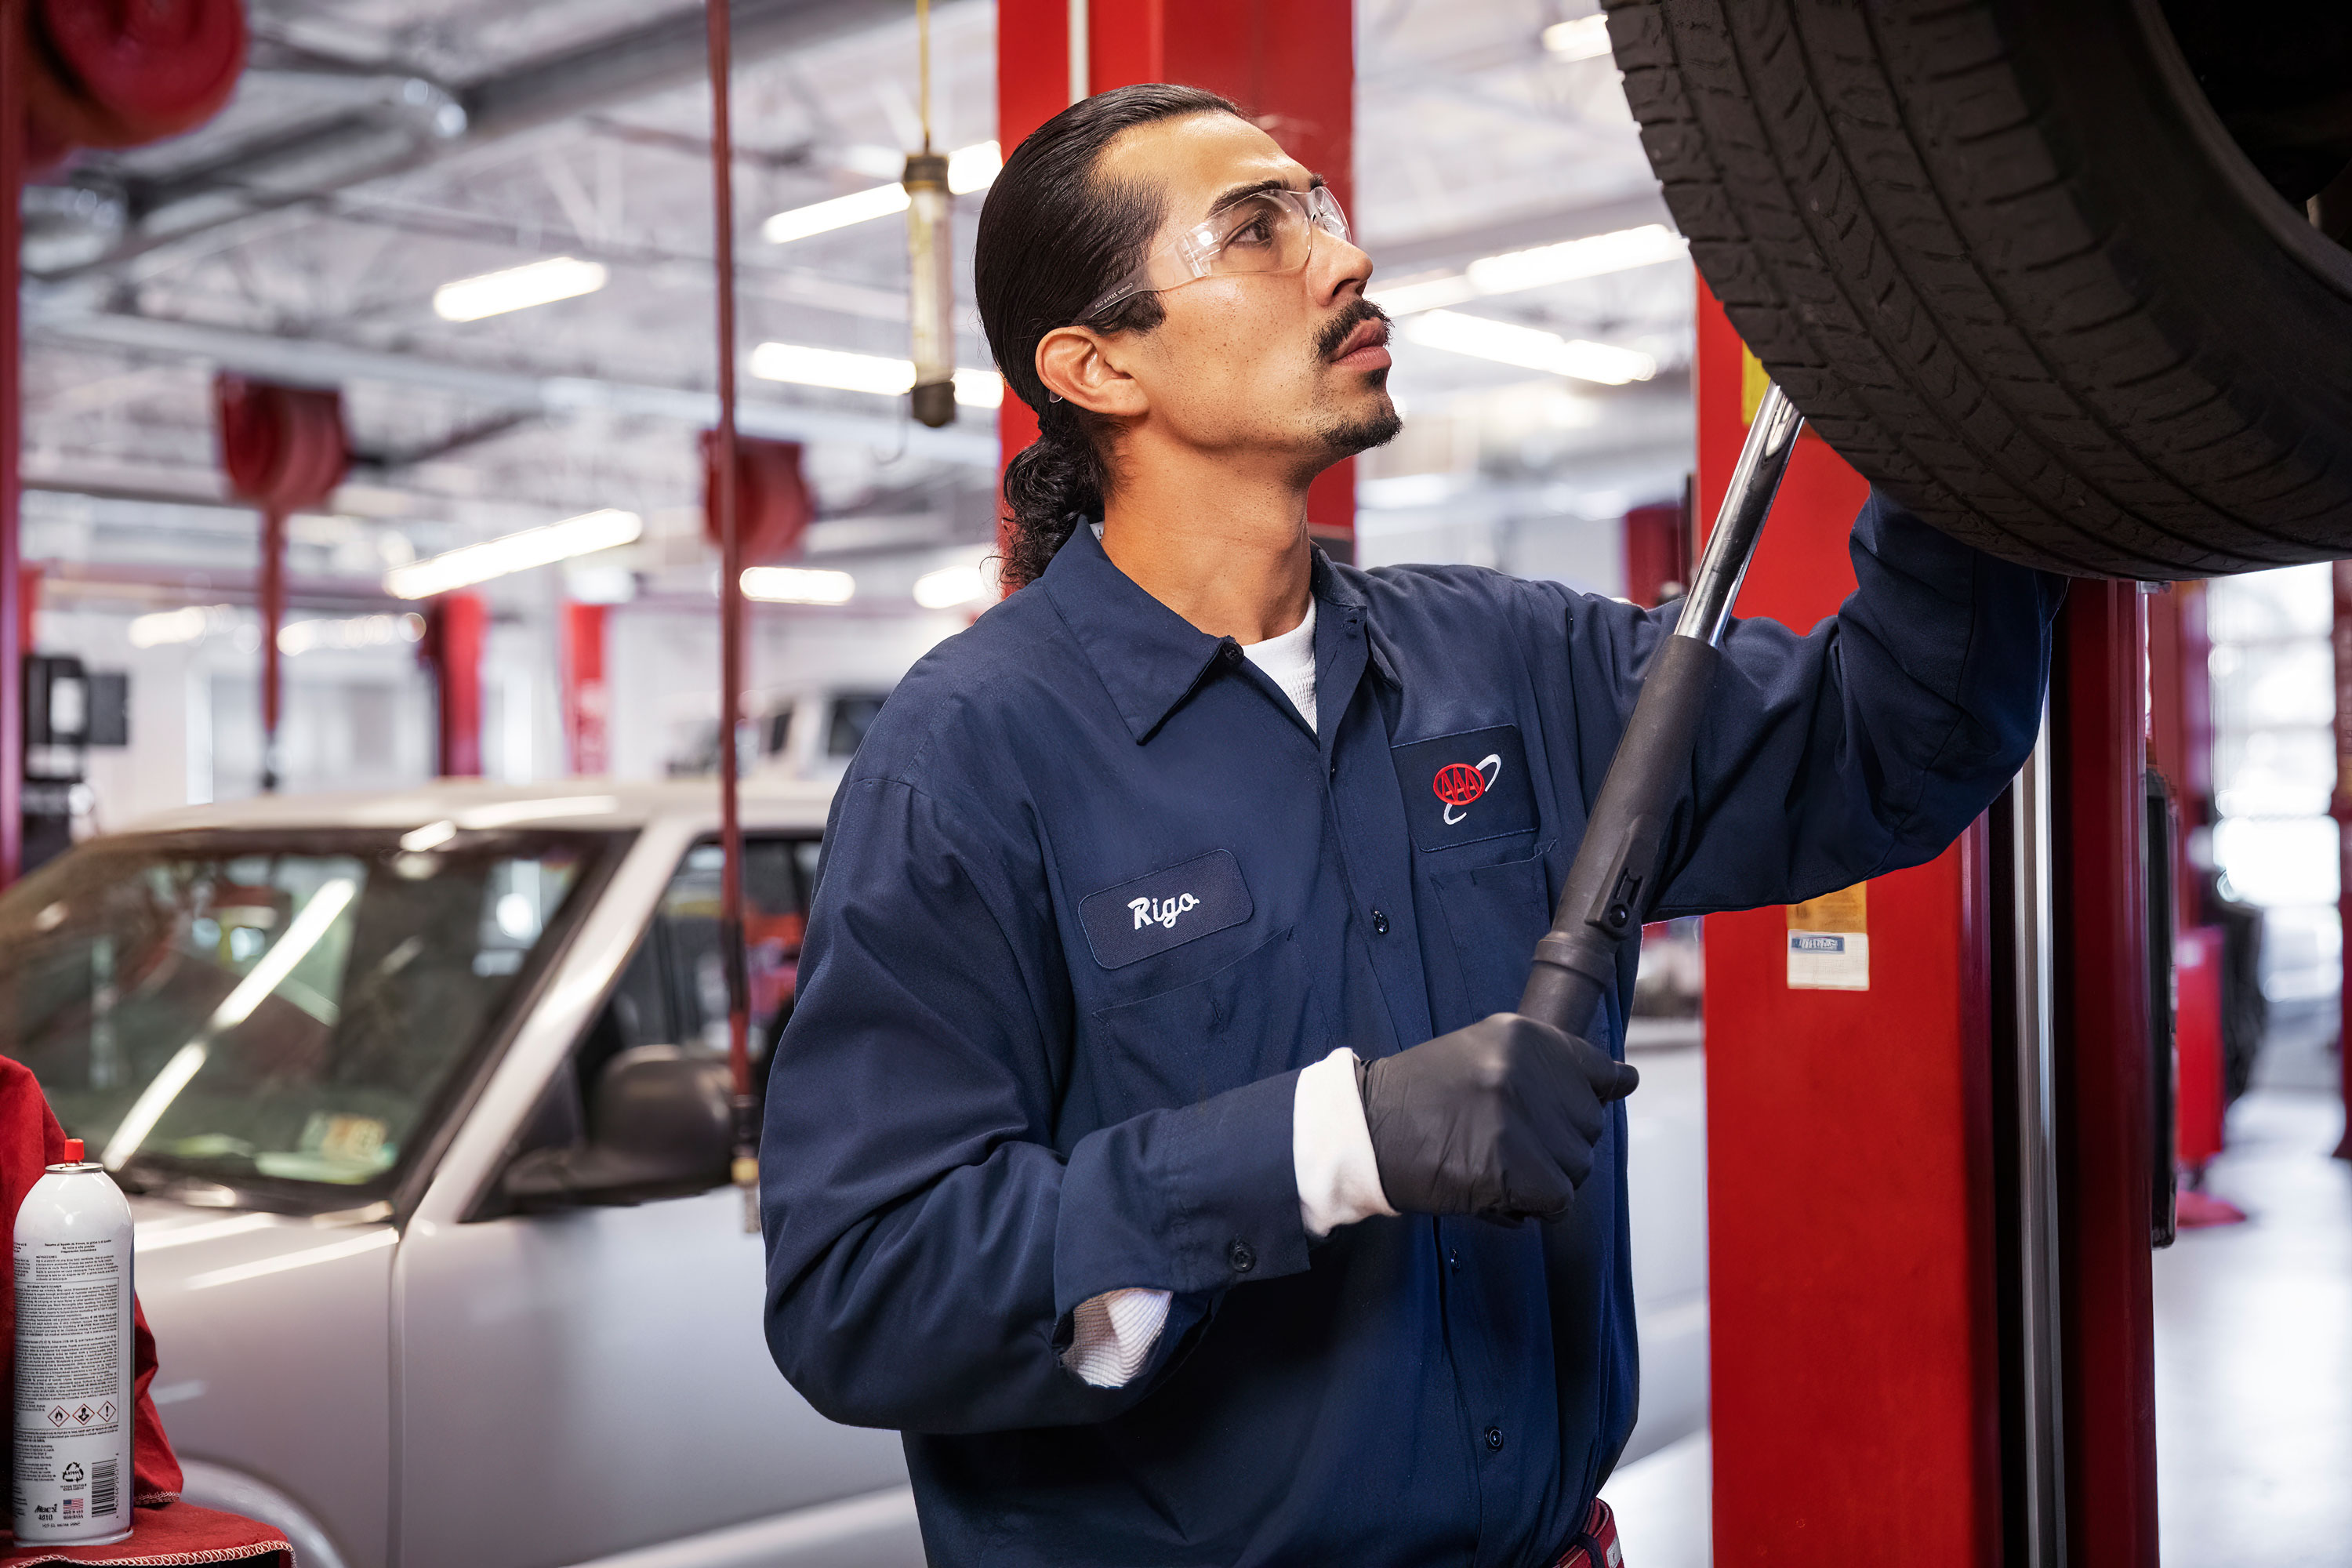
(421, 1099)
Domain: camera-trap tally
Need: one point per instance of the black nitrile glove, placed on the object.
(1498, 1119)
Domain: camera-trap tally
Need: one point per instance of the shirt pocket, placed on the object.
(1495, 914)
(1249, 1019)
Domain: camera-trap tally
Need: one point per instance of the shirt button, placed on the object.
(1453, 1259)
(1494, 1439)
(1241, 1255)
(1379, 923)
(1232, 653)
(1335, 770)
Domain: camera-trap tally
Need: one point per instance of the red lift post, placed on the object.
(587, 700)
(1854, 1224)
(1291, 66)
(1854, 1354)
(456, 626)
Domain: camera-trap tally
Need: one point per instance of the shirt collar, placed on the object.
(1148, 658)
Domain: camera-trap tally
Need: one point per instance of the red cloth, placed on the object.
(31, 1141)
(1597, 1546)
(172, 1532)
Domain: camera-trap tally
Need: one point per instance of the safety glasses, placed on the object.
(1267, 231)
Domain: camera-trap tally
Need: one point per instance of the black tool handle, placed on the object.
(1611, 884)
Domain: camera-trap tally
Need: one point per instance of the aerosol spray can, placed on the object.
(73, 1358)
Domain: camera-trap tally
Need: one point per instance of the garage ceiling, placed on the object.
(378, 149)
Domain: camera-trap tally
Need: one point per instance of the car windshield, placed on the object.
(278, 1013)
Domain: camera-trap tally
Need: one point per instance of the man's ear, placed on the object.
(1076, 364)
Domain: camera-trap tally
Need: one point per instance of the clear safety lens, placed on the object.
(1271, 231)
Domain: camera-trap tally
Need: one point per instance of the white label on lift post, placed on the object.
(1829, 942)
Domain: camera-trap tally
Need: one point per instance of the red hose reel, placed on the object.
(117, 73)
(283, 448)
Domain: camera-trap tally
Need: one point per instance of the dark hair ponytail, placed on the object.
(1051, 239)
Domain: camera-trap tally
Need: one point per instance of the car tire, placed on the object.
(2009, 259)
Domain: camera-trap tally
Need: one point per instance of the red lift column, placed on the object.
(1850, 1227)
(1291, 66)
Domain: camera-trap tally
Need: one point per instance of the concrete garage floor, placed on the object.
(2253, 1332)
(2253, 1352)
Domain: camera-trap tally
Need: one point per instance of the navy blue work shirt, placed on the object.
(1093, 895)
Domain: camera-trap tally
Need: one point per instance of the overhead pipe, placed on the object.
(12, 390)
(746, 1166)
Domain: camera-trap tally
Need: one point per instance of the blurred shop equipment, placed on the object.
(773, 504)
(1658, 551)
(284, 450)
(121, 75)
(75, 74)
(930, 253)
(49, 1194)
(1981, 293)
(68, 710)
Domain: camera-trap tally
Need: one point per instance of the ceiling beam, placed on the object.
(406, 123)
(317, 362)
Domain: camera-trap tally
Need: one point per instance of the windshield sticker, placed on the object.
(1165, 909)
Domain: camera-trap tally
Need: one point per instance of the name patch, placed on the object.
(1161, 909)
(1459, 789)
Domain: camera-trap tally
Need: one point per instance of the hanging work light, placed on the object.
(930, 255)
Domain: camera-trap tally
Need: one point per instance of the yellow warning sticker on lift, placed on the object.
(1829, 942)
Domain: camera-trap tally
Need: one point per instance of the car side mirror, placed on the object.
(661, 1126)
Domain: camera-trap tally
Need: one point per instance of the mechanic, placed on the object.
(1153, 1142)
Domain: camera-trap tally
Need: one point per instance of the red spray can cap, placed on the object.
(73, 1152)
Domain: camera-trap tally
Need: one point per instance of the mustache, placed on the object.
(1353, 314)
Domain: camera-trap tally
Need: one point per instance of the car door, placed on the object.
(588, 1381)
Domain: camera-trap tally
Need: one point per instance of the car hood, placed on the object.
(182, 1248)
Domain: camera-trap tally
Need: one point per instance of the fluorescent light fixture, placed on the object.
(518, 289)
(164, 627)
(807, 367)
(1620, 250)
(969, 169)
(949, 586)
(1585, 38)
(1570, 259)
(1414, 296)
(354, 632)
(262, 978)
(797, 586)
(877, 373)
(840, 212)
(1507, 343)
(472, 563)
(1400, 491)
(979, 388)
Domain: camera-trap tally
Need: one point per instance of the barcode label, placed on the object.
(102, 1486)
